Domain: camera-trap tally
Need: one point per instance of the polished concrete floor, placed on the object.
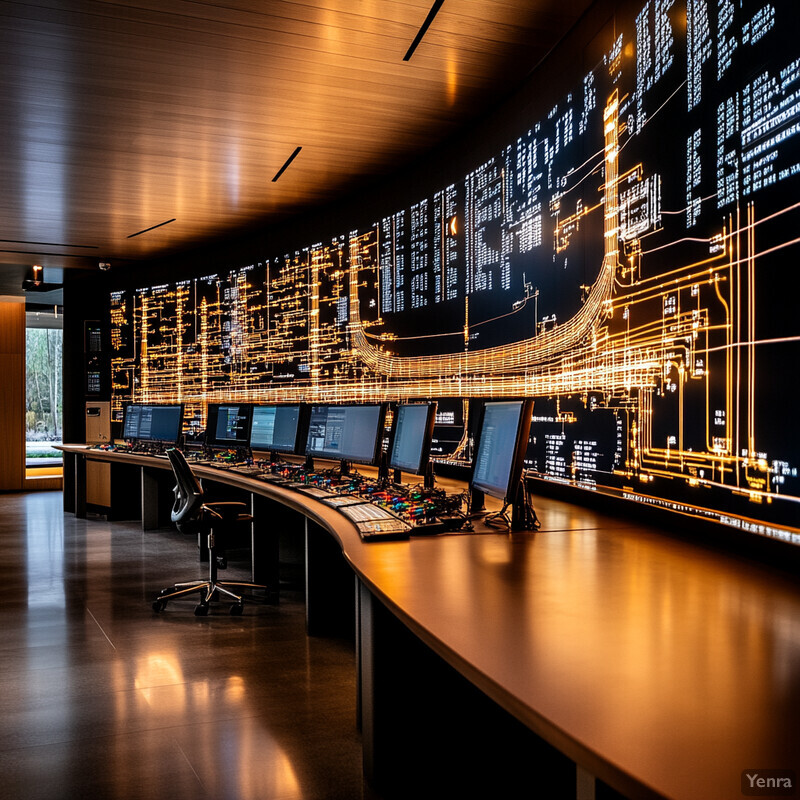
(103, 698)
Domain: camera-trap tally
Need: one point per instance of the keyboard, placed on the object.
(269, 477)
(339, 500)
(374, 530)
(313, 491)
(375, 523)
(366, 511)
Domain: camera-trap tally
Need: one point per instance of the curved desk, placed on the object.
(663, 668)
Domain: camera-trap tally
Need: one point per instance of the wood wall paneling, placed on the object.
(47, 483)
(166, 109)
(12, 393)
(98, 483)
(12, 325)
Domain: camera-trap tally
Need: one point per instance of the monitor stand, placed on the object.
(429, 479)
(476, 501)
(523, 516)
(383, 470)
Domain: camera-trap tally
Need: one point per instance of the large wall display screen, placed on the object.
(626, 258)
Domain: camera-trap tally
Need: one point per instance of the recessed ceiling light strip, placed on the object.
(423, 30)
(152, 228)
(41, 253)
(50, 244)
(289, 160)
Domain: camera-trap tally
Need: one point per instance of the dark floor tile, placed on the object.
(104, 698)
(126, 767)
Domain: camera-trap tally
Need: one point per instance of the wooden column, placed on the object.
(12, 393)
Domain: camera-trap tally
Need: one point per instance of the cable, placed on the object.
(498, 518)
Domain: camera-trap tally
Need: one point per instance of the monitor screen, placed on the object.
(228, 424)
(503, 437)
(352, 433)
(448, 430)
(130, 421)
(277, 428)
(154, 423)
(411, 443)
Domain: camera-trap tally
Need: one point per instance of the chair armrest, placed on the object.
(229, 510)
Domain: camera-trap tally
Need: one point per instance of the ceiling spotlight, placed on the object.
(34, 281)
(105, 266)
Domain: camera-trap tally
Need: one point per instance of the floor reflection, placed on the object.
(44, 548)
(104, 698)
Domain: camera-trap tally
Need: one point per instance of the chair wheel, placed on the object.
(159, 605)
(201, 610)
(236, 609)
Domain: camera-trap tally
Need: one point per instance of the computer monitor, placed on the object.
(152, 422)
(228, 424)
(411, 439)
(448, 431)
(346, 432)
(131, 415)
(279, 428)
(500, 450)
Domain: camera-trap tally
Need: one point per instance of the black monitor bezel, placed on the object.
(301, 434)
(125, 411)
(430, 423)
(211, 439)
(518, 457)
(325, 456)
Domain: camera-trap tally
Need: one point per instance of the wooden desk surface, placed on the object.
(664, 668)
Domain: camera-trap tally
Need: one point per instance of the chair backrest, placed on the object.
(186, 509)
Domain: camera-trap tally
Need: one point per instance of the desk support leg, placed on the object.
(366, 689)
(584, 784)
(69, 482)
(202, 541)
(427, 732)
(588, 787)
(358, 589)
(264, 544)
(80, 487)
(150, 504)
(329, 585)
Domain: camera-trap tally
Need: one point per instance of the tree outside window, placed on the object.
(43, 400)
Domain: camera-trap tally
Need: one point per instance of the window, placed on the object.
(43, 429)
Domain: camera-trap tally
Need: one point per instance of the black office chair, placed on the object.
(192, 514)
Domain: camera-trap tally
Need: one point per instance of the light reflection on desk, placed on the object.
(655, 651)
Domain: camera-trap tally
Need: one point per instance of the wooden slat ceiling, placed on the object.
(118, 116)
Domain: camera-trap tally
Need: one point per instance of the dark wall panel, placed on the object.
(617, 242)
